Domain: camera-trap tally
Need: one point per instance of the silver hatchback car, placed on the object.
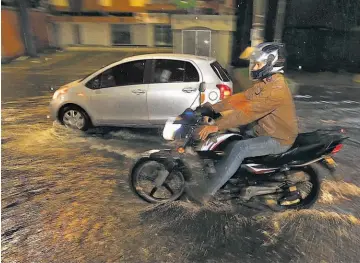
(140, 91)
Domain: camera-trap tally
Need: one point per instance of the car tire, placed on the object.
(75, 117)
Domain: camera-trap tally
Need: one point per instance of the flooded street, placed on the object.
(66, 198)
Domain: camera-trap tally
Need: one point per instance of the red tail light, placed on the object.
(225, 91)
(337, 148)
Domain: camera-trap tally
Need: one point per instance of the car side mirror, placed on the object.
(202, 87)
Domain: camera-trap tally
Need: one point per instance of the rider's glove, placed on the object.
(207, 130)
(207, 110)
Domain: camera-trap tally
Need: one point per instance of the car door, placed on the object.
(173, 87)
(119, 95)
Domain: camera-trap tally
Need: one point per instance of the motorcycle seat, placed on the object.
(306, 146)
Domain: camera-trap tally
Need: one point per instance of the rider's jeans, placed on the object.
(236, 153)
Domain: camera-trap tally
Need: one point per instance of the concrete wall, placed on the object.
(177, 41)
(90, 34)
(11, 41)
(139, 35)
(221, 43)
(66, 36)
(98, 34)
(142, 34)
(150, 35)
(12, 44)
(214, 22)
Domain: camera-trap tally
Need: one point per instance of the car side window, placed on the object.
(191, 73)
(94, 83)
(107, 79)
(129, 73)
(173, 71)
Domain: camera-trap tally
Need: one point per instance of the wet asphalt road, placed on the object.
(65, 196)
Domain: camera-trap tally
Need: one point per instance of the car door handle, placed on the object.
(188, 90)
(138, 91)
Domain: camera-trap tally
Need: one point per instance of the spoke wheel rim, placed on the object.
(74, 119)
(144, 184)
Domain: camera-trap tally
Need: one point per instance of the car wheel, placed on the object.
(75, 118)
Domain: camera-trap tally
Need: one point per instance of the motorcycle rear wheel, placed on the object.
(171, 190)
(314, 192)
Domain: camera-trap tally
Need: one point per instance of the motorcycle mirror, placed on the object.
(202, 87)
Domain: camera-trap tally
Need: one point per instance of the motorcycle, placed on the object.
(279, 182)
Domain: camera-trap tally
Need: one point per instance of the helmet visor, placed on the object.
(258, 56)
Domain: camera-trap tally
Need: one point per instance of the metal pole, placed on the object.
(25, 26)
(258, 25)
(280, 19)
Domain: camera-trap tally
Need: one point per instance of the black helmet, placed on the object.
(273, 55)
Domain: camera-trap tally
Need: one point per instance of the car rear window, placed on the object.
(220, 71)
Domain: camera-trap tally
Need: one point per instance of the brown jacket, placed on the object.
(269, 102)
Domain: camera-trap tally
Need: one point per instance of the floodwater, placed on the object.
(65, 198)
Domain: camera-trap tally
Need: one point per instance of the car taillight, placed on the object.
(225, 91)
(337, 148)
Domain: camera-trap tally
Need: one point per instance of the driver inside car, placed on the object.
(268, 103)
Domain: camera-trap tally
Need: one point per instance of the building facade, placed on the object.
(192, 27)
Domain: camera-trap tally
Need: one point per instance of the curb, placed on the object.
(23, 57)
(120, 49)
(8, 60)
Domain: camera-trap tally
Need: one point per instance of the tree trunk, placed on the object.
(25, 28)
(280, 19)
(258, 25)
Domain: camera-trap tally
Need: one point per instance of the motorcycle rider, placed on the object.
(268, 103)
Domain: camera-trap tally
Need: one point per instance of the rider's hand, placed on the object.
(207, 130)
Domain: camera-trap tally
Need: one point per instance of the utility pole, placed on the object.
(258, 25)
(25, 28)
(280, 19)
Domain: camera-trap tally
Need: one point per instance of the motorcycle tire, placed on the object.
(149, 197)
(314, 194)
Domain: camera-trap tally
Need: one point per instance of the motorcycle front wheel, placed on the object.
(143, 183)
